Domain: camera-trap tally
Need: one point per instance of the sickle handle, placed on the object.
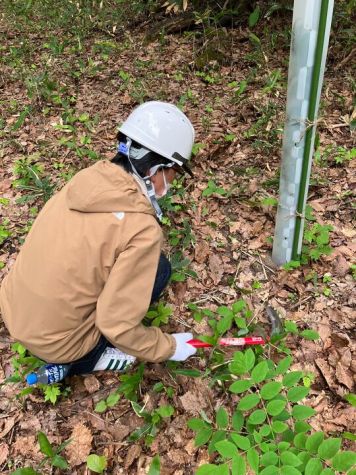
(199, 344)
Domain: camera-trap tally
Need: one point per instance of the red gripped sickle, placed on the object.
(250, 340)
(276, 325)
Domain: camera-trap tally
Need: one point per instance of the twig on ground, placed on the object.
(300, 302)
(346, 59)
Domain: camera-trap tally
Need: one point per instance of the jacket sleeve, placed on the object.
(126, 297)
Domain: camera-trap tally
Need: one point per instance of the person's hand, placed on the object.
(183, 349)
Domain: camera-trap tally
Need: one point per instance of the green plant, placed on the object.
(158, 315)
(180, 268)
(130, 383)
(55, 46)
(155, 467)
(316, 239)
(52, 456)
(342, 155)
(96, 463)
(4, 230)
(273, 81)
(152, 421)
(267, 430)
(254, 17)
(214, 188)
(182, 237)
(110, 401)
(205, 77)
(24, 363)
(353, 271)
(160, 387)
(31, 178)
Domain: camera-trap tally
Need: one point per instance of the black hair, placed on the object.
(148, 161)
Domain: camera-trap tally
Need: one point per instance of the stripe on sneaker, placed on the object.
(123, 365)
(110, 363)
(116, 365)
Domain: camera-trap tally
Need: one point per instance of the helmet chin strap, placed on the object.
(125, 149)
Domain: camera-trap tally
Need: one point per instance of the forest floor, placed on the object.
(61, 102)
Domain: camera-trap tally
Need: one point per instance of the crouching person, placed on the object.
(92, 262)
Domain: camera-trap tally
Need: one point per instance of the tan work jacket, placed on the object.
(87, 268)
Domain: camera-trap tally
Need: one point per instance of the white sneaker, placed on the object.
(114, 359)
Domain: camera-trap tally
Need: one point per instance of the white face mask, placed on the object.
(166, 184)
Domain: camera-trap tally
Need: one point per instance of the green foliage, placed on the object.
(152, 421)
(266, 432)
(96, 463)
(180, 268)
(155, 467)
(130, 383)
(353, 271)
(333, 155)
(31, 179)
(316, 238)
(51, 392)
(24, 363)
(4, 230)
(182, 237)
(159, 314)
(52, 456)
(213, 188)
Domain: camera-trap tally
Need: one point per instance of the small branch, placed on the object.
(346, 59)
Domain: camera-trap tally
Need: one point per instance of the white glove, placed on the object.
(183, 349)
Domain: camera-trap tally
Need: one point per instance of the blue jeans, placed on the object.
(87, 362)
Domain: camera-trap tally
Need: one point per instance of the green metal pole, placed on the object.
(309, 134)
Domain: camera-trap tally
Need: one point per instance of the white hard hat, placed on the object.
(162, 128)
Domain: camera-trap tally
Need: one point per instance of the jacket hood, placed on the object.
(106, 188)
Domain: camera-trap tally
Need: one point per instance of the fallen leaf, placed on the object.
(340, 265)
(343, 376)
(8, 425)
(4, 452)
(79, 449)
(202, 251)
(91, 383)
(132, 454)
(216, 268)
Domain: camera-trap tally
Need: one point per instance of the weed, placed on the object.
(155, 467)
(129, 387)
(342, 155)
(205, 77)
(97, 463)
(24, 363)
(238, 87)
(130, 383)
(152, 421)
(268, 429)
(213, 188)
(52, 456)
(266, 135)
(160, 387)
(5, 233)
(353, 271)
(31, 179)
(182, 237)
(316, 238)
(273, 82)
(180, 268)
(110, 401)
(158, 315)
(55, 45)
(184, 98)
(336, 155)
(80, 149)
